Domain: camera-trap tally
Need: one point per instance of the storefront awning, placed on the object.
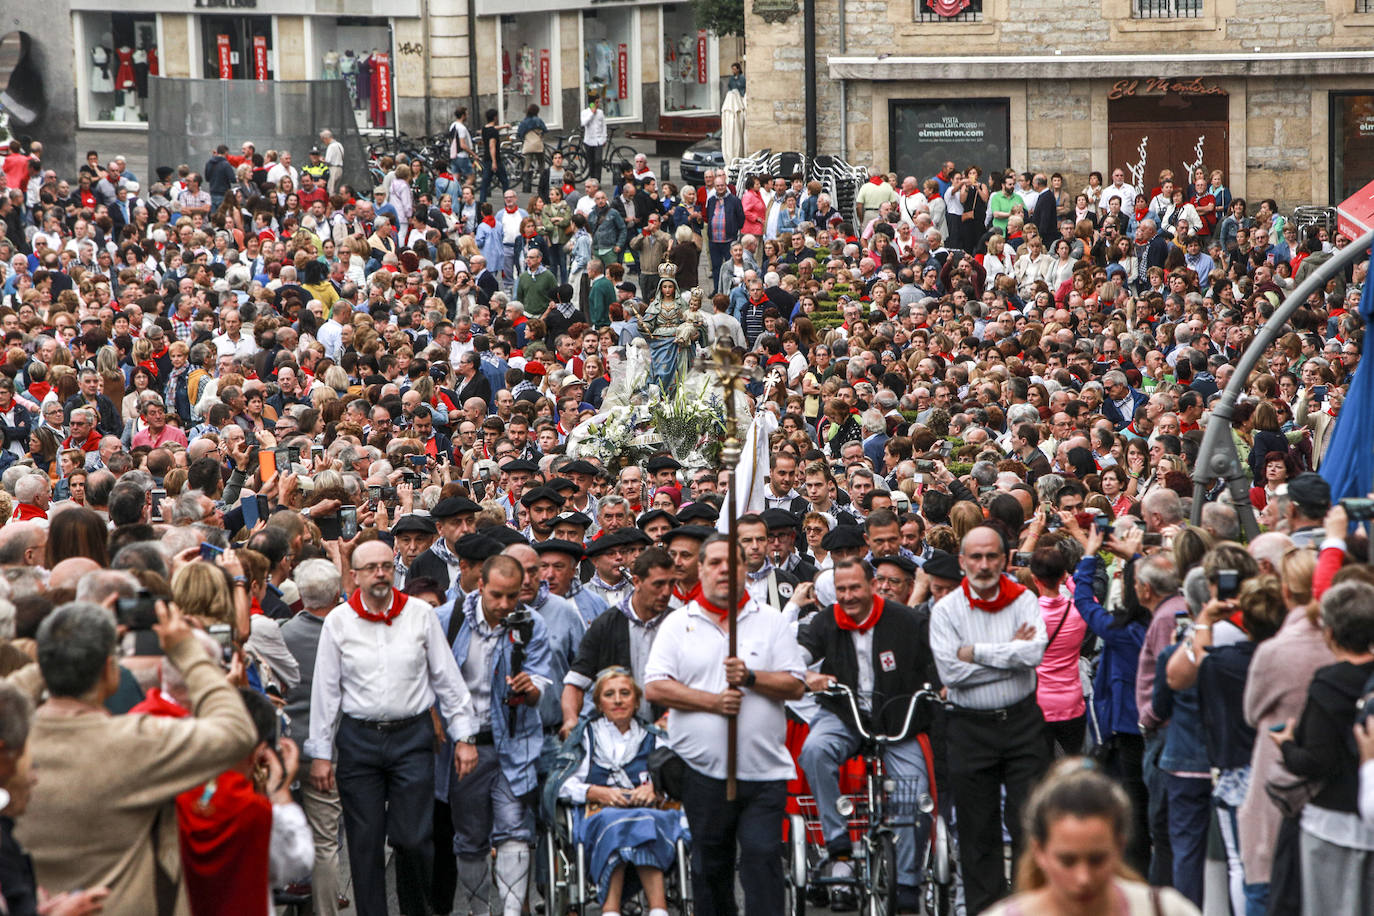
(1100, 66)
(1355, 214)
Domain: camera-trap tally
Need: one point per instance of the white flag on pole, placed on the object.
(751, 476)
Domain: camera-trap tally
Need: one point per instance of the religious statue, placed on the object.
(672, 329)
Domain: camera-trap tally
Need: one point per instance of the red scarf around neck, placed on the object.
(398, 601)
(1007, 592)
(694, 594)
(707, 605)
(845, 622)
(489, 221)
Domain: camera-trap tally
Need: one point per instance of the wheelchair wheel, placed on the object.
(881, 892)
(795, 866)
(557, 895)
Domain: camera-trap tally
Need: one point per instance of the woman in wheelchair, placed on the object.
(620, 824)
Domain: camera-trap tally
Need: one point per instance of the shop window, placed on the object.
(529, 68)
(1352, 143)
(355, 49)
(949, 10)
(610, 60)
(689, 65)
(1166, 9)
(120, 53)
(237, 47)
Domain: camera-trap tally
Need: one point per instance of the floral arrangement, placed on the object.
(691, 422)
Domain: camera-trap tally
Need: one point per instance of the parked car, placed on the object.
(699, 157)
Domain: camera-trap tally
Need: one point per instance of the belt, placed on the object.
(388, 725)
(995, 715)
(485, 737)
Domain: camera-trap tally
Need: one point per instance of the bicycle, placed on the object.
(884, 806)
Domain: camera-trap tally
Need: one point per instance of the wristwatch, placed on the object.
(750, 678)
(470, 739)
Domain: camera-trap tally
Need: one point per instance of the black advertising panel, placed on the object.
(925, 134)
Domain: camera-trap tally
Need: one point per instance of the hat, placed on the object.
(698, 511)
(580, 519)
(604, 543)
(632, 536)
(412, 523)
(777, 358)
(569, 382)
(516, 465)
(315, 151)
(843, 537)
(475, 547)
(504, 535)
(560, 484)
(453, 505)
(1311, 492)
(585, 406)
(516, 362)
(695, 532)
(580, 466)
(535, 367)
(778, 518)
(627, 287)
(899, 561)
(943, 565)
(558, 545)
(662, 463)
(541, 494)
(654, 515)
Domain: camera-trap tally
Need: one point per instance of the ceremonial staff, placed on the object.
(733, 374)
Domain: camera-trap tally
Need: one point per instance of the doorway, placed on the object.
(237, 34)
(1170, 131)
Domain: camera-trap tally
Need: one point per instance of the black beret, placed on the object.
(843, 537)
(475, 547)
(453, 505)
(899, 561)
(943, 565)
(573, 518)
(779, 518)
(410, 522)
(605, 542)
(519, 464)
(695, 532)
(662, 463)
(580, 466)
(542, 494)
(654, 515)
(698, 511)
(557, 545)
(505, 534)
(560, 484)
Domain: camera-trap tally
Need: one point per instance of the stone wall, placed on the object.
(50, 35)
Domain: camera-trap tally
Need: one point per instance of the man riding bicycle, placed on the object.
(881, 651)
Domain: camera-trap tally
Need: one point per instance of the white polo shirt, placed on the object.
(691, 649)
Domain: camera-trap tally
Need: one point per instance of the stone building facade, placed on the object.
(1280, 99)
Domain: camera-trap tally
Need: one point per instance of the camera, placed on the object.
(925, 465)
(137, 613)
(1228, 583)
(1358, 509)
(1021, 558)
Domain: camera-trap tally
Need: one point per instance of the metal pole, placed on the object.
(474, 113)
(732, 724)
(1217, 456)
(809, 70)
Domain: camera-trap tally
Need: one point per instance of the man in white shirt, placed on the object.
(331, 332)
(1118, 188)
(383, 663)
(690, 673)
(334, 158)
(233, 342)
(284, 168)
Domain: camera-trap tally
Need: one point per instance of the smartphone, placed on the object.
(1319, 392)
(137, 613)
(348, 522)
(1152, 539)
(249, 505)
(264, 510)
(159, 494)
(267, 464)
(283, 459)
(1228, 583)
(925, 465)
(419, 461)
(209, 552)
(1102, 523)
(329, 527)
(294, 453)
(1021, 558)
(317, 450)
(224, 635)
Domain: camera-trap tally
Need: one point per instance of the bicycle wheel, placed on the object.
(574, 163)
(618, 155)
(881, 892)
(795, 866)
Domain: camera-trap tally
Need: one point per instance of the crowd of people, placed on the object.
(293, 551)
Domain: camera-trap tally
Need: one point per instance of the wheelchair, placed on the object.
(569, 888)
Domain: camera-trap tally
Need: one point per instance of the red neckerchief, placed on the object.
(398, 601)
(511, 209)
(1237, 618)
(763, 297)
(26, 512)
(254, 607)
(845, 622)
(489, 221)
(1007, 592)
(705, 604)
(876, 180)
(694, 594)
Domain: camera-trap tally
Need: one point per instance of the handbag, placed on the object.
(667, 770)
(533, 142)
(1292, 793)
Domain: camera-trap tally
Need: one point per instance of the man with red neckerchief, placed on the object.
(987, 637)
(382, 662)
(689, 672)
(880, 650)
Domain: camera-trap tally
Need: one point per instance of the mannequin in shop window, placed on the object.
(348, 69)
(524, 71)
(331, 66)
(102, 73)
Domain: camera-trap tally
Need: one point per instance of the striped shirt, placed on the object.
(1003, 670)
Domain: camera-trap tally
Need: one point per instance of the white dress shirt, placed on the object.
(1003, 669)
(369, 670)
(691, 649)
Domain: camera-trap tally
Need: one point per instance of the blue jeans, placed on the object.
(1161, 861)
(486, 812)
(460, 166)
(1190, 814)
(1255, 896)
(827, 747)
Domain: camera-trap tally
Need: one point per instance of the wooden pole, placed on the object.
(732, 724)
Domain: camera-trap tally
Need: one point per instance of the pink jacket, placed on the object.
(1059, 690)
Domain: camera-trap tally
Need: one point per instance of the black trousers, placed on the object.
(1122, 761)
(1067, 736)
(988, 753)
(594, 154)
(386, 786)
(753, 821)
(445, 881)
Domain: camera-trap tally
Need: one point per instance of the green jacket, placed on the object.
(556, 221)
(534, 291)
(599, 299)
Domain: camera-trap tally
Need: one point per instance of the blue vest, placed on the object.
(637, 769)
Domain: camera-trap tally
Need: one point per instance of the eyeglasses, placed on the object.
(373, 568)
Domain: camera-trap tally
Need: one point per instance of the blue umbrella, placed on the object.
(1352, 473)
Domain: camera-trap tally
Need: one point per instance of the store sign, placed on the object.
(226, 59)
(701, 56)
(926, 134)
(383, 65)
(1124, 89)
(544, 76)
(622, 68)
(260, 57)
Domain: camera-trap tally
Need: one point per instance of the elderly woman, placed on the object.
(620, 823)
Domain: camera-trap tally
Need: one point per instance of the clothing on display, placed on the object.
(102, 80)
(524, 71)
(348, 68)
(331, 66)
(124, 77)
(602, 78)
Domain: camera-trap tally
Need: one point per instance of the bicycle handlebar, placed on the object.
(843, 690)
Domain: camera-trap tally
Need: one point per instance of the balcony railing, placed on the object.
(1172, 9)
(933, 10)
